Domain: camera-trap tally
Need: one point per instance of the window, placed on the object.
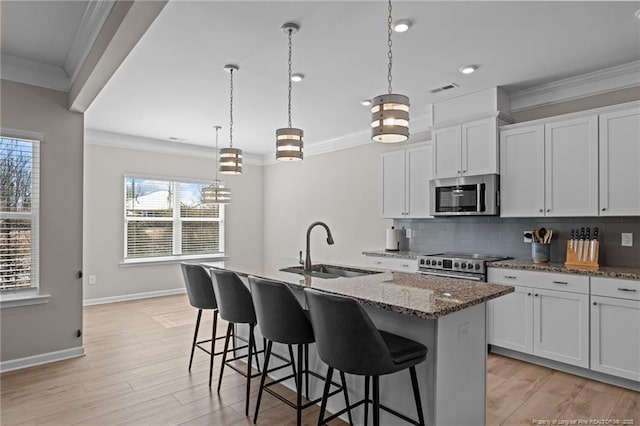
(165, 220)
(19, 202)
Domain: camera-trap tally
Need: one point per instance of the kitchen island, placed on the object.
(447, 315)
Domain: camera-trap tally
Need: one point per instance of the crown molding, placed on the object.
(94, 17)
(34, 73)
(119, 140)
(593, 83)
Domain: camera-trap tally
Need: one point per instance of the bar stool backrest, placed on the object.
(199, 286)
(234, 298)
(280, 316)
(346, 338)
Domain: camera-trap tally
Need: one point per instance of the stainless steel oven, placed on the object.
(465, 196)
(457, 265)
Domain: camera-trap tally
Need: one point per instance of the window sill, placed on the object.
(172, 260)
(13, 300)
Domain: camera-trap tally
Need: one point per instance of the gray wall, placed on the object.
(105, 167)
(494, 235)
(50, 327)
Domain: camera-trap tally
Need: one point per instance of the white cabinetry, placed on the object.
(405, 182)
(466, 149)
(550, 169)
(615, 327)
(620, 162)
(393, 263)
(547, 316)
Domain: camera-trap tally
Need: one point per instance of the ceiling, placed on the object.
(172, 84)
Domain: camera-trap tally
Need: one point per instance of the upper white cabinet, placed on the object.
(585, 164)
(405, 182)
(550, 169)
(466, 149)
(620, 162)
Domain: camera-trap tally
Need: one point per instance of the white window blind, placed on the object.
(165, 219)
(19, 203)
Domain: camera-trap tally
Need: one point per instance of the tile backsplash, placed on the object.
(503, 236)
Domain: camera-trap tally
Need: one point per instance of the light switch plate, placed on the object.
(527, 236)
(92, 279)
(627, 239)
(408, 233)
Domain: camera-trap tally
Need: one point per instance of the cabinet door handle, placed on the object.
(561, 282)
(464, 171)
(548, 210)
(536, 295)
(604, 209)
(595, 303)
(541, 210)
(510, 277)
(528, 294)
(405, 266)
(458, 171)
(627, 289)
(378, 263)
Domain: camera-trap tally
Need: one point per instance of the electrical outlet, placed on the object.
(92, 279)
(627, 239)
(408, 233)
(527, 236)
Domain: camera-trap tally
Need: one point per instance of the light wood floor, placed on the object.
(135, 372)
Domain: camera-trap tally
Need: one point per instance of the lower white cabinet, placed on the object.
(615, 327)
(540, 320)
(393, 263)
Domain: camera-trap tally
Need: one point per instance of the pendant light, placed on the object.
(390, 112)
(231, 158)
(289, 139)
(216, 193)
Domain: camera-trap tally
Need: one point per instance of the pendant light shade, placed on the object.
(390, 118)
(390, 112)
(231, 158)
(216, 192)
(289, 140)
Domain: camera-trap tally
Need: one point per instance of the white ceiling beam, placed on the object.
(27, 71)
(126, 24)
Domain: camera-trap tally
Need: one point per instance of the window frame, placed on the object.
(24, 296)
(176, 219)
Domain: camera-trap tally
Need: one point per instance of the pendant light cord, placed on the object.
(289, 111)
(390, 54)
(231, 109)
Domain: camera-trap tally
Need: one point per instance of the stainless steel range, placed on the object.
(457, 265)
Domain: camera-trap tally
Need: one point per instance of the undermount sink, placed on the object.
(330, 271)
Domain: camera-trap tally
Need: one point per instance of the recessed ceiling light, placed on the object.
(402, 25)
(468, 69)
(297, 77)
(365, 102)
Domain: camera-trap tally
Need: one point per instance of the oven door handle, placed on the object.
(444, 274)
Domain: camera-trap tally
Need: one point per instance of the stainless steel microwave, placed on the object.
(465, 196)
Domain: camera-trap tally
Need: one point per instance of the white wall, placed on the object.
(39, 329)
(340, 188)
(104, 170)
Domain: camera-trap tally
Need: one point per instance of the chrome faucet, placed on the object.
(307, 261)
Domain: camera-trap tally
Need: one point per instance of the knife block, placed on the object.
(573, 260)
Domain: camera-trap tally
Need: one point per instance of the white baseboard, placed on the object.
(134, 296)
(46, 358)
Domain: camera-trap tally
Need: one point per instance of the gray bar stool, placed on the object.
(236, 307)
(282, 320)
(201, 296)
(348, 341)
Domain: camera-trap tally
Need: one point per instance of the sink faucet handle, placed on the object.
(301, 261)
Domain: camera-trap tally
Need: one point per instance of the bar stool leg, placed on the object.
(376, 400)
(416, 394)
(262, 379)
(293, 366)
(306, 371)
(325, 396)
(346, 397)
(366, 400)
(195, 338)
(251, 350)
(299, 388)
(213, 344)
(224, 354)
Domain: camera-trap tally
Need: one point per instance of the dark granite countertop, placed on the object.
(402, 254)
(603, 271)
(422, 296)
